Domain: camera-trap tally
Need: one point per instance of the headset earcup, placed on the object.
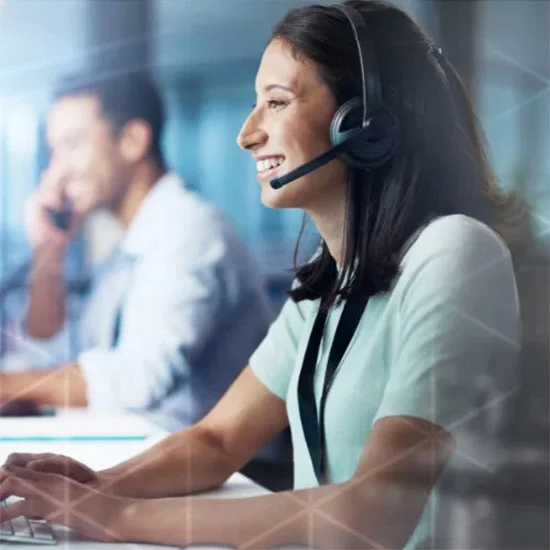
(380, 138)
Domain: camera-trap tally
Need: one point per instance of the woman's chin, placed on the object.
(275, 198)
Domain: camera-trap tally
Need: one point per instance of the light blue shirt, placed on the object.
(441, 345)
(194, 308)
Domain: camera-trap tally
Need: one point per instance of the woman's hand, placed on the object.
(54, 464)
(59, 499)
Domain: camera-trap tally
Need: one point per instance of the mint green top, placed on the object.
(442, 345)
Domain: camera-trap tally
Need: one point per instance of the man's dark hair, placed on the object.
(123, 98)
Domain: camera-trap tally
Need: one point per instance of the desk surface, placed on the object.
(99, 455)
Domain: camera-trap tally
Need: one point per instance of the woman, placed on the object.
(436, 342)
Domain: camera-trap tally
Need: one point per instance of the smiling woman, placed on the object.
(399, 340)
(289, 126)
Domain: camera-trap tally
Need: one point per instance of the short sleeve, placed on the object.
(459, 325)
(273, 360)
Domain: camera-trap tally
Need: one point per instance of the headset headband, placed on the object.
(372, 88)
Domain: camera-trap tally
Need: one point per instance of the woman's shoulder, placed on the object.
(458, 272)
(456, 251)
(457, 236)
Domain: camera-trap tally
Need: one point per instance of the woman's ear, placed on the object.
(135, 141)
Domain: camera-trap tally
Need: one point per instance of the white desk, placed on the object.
(99, 455)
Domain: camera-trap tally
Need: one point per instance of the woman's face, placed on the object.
(289, 126)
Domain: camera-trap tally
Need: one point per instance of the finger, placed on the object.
(57, 465)
(51, 200)
(52, 177)
(5, 489)
(14, 487)
(17, 472)
(48, 466)
(47, 458)
(18, 459)
(23, 459)
(52, 191)
(64, 467)
(19, 508)
(39, 487)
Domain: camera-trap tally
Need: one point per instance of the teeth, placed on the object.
(269, 163)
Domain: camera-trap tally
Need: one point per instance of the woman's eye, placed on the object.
(275, 103)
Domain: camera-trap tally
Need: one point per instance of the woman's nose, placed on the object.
(251, 135)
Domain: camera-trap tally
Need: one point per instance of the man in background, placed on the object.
(177, 309)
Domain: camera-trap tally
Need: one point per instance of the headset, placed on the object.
(364, 131)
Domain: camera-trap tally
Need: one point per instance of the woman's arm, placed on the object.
(378, 507)
(198, 458)
(205, 455)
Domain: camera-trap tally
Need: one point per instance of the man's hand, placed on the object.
(49, 196)
(61, 386)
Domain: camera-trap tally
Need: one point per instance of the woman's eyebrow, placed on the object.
(277, 86)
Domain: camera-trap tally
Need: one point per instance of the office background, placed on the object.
(204, 55)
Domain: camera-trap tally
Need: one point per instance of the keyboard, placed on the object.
(30, 531)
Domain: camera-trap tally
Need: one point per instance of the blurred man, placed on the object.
(177, 310)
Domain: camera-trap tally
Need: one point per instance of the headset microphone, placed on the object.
(324, 158)
(364, 131)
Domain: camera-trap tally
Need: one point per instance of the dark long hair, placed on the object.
(440, 166)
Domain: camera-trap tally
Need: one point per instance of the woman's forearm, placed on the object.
(347, 515)
(256, 522)
(186, 462)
